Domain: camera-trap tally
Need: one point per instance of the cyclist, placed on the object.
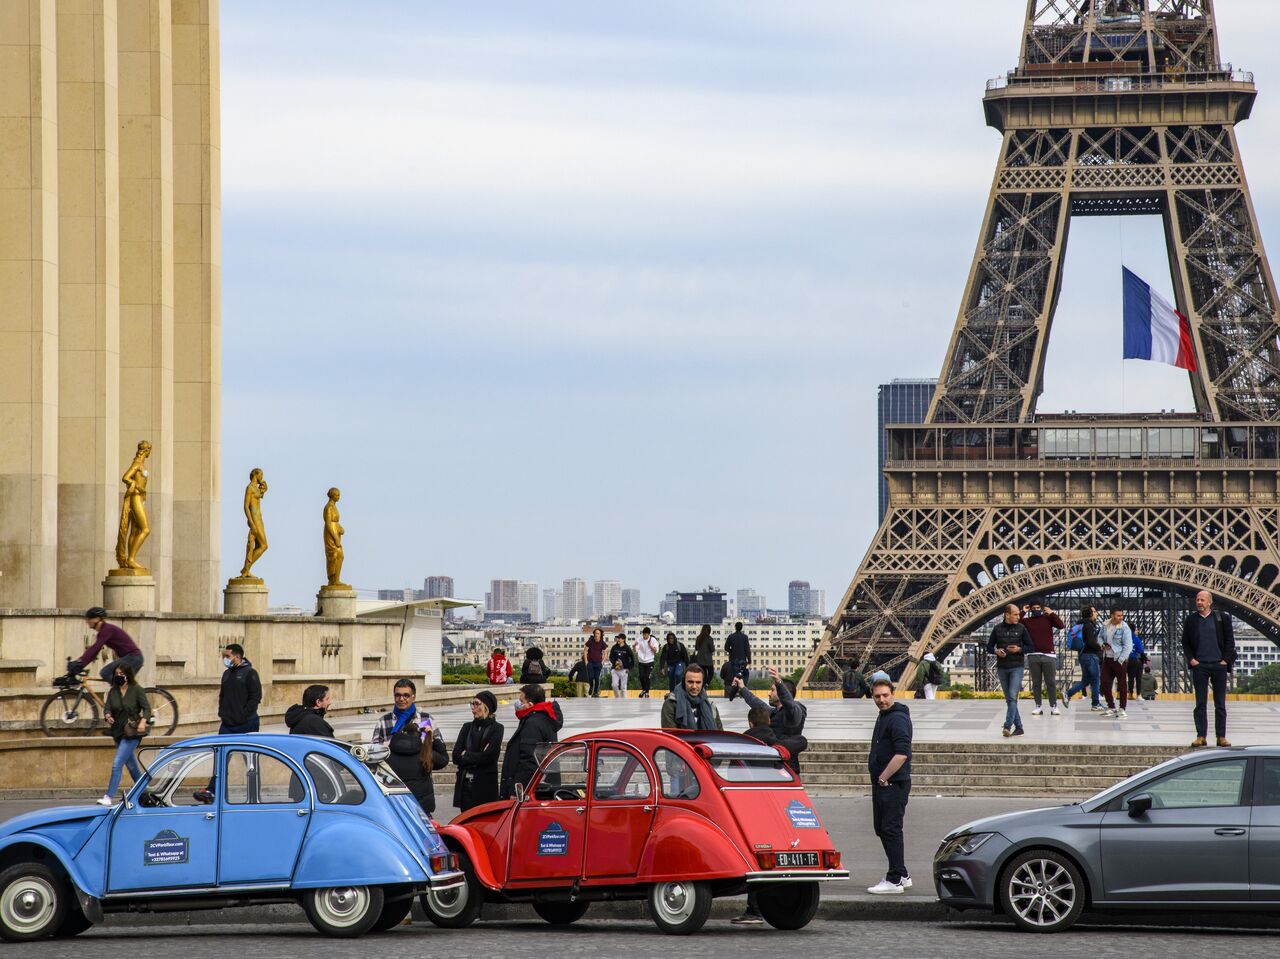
(115, 639)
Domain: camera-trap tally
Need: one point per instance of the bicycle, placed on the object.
(76, 710)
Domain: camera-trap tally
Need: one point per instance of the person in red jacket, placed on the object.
(499, 668)
(1042, 658)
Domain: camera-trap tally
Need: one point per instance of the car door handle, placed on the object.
(580, 810)
(647, 808)
(209, 815)
(302, 812)
(1232, 831)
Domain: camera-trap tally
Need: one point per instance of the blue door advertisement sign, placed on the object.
(166, 849)
(802, 816)
(553, 841)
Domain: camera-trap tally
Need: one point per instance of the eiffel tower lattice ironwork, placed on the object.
(1116, 107)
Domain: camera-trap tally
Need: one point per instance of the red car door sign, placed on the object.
(553, 841)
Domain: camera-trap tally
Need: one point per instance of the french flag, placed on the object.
(1153, 329)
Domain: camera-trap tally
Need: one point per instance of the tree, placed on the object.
(1264, 681)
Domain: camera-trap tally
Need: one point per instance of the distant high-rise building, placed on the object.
(550, 604)
(707, 606)
(668, 605)
(798, 597)
(631, 602)
(397, 595)
(573, 600)
(899, 402)
(437, 586)
(527, 594)
(817, 602)
(750, 604)
(606, 598)
(504, 596)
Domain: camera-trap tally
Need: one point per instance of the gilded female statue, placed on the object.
(257, 543)
(333, 541)
(134, 528)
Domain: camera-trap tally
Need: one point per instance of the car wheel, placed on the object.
(1042, 891)
(560, 913)
(33, 902)
(680, 907)
(790, 906)
(458, 907)
(343, 911)
(394, 909)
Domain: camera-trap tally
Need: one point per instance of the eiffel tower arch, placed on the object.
(1115, 107)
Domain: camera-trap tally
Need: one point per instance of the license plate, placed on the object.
(786, 860)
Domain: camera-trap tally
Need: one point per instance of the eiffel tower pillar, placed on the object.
(1116, 107)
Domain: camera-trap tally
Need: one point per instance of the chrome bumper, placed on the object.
(797, 875)
(447, 880)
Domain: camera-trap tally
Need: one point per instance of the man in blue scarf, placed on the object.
(403, 711)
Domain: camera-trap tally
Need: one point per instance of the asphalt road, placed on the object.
(640, 939)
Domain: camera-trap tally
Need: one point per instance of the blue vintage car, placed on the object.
(220, 821)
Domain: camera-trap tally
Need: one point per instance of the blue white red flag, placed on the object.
(1153, 329)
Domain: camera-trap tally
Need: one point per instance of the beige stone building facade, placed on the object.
(110, 311)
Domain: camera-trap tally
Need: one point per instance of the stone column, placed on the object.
(89, 300)
(146, 266)
(28, 304)
(197, 309)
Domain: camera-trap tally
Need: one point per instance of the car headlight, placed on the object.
(967, 845)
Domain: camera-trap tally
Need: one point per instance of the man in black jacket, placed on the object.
(786, 715)
(308, 719)
(738, 648)
(1010, 642)
(889, 762)
(240, 694)
(1209, 644)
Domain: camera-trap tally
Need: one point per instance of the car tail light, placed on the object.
(831, 859)
(444, 863)
(767, 860)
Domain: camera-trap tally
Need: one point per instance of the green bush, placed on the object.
(961, 691)
(1265, 681)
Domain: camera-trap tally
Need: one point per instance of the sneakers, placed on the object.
(1198, 742)
(1055, 711)
(1037, 711)
(748, 919)
(886, 888)
(1066, 702)
(906, 882)
(1108, 713)
(1223, 743)
(1096, 709)
(105, 801)
(1121, 714)
(1005, 731)
(1018, 732)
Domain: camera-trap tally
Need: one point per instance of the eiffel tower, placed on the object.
(1116, 107)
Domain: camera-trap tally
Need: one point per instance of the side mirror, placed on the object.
(1139, 805)
(520, 793)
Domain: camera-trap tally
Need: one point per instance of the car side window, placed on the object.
(258, 779)
(565, 776)
(1269, 782)
(1204, 785)
(336, 785)
(186, 779)
(620, 775)
(675, 775)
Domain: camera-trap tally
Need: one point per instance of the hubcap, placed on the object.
(28, 904)
(344, 905)
(448, 903)
(674, 901)
(1042, 892)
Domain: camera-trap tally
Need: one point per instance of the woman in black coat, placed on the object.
(415, 752)
(476, 754)
(540, 722)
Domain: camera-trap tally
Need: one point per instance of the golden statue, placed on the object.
(134, 528)
(333, 542)
(257, 544)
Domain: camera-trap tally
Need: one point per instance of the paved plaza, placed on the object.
(1158, 723)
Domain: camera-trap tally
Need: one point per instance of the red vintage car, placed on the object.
(671, 817)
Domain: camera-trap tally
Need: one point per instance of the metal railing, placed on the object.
(1118, 82)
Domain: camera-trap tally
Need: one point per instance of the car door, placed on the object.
(266, 808)
(619, 812)
(1192, 845)
(1264, 831)
(166, 837)
(549, 831)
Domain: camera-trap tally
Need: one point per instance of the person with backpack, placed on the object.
(930, 676)
(621, 660)
(673, 659)
(1083, 641)
(853, 685)
(535, 668)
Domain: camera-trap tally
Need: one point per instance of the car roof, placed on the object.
(290, 745)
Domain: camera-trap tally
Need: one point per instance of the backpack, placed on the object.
(1075, 638)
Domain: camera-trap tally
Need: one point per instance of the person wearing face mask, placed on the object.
(539, 722)
(307, 719)
(128, 716)
(241, 693)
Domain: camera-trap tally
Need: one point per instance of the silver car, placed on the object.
(1198, 832)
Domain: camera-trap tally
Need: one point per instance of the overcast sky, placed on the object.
(595, 289)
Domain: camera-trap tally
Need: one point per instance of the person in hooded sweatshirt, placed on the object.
(476, 754)
(889, 763)
(307, 718)
(687, 706)
(535, 668)
(539, 722)
(416, 749)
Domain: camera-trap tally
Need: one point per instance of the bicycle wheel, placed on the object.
(69, 712)
(164, 710)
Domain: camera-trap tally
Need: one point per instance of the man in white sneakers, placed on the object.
(1116, 639)
(646, 649)
(889, 762)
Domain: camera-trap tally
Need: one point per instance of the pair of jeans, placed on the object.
(673, 675)
(1090, 676)
(1011, 685)
(134, 661)
(1043, 670)
(619, 684)
(124, 758)
(250, 727)
(646, 677)
(593, 675)
(1115, 672)
(888, 810)
(1201, 678)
